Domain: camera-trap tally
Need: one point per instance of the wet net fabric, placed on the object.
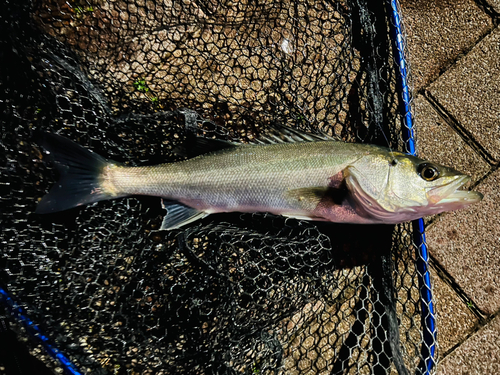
(233, 293)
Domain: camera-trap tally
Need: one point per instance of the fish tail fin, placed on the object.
(80, 171)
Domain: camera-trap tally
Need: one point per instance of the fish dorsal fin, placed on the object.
(285, 134)
(179, 215)
(195, 146)
(276, 133)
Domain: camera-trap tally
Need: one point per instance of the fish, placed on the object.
(303, 177)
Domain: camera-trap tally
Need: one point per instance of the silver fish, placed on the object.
(315, 180)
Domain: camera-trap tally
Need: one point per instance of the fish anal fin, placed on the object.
(179, 215)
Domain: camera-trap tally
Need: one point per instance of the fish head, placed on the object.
(391, 187)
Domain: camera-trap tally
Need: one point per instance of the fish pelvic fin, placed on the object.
(179, 215)
(81, 175)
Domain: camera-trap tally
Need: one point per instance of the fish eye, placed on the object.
(428, 172)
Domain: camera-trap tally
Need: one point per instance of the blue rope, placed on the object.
(35, 331)
(428, 350)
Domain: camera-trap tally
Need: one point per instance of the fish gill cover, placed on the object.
(233, 293)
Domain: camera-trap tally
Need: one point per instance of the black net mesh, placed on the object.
(233, 293)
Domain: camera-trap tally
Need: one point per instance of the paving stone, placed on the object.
(466, 244)
(438, 142)
(495, 4)
(454, 319)
(470, 92)
(438, 32)
(480, 354)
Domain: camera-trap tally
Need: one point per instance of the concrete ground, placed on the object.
(454, 56)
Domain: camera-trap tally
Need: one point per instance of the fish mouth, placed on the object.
(452, 194)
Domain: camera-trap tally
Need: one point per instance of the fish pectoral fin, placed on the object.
(179, 215)
(307, 198)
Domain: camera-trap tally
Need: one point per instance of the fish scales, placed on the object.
(242, 178)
